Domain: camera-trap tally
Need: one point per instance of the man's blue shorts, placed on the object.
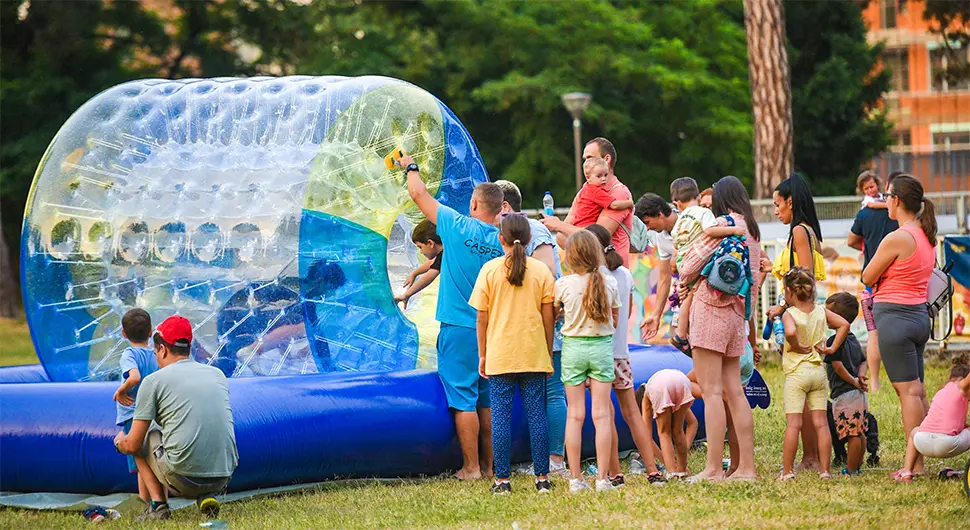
(132, 468)
(465, 390)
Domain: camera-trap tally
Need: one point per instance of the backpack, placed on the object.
(639, 238)
(939, 294)
(729, 270)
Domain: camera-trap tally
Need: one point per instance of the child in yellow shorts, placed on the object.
(805, 378)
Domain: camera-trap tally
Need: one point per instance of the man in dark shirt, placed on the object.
(871, 225)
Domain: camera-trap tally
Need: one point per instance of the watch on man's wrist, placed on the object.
(411, 167)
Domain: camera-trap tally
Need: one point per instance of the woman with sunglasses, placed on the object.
(899, 273)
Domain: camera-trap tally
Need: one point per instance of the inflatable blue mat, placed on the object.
(293, 429)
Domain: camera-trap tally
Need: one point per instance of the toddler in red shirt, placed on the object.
(595, 197)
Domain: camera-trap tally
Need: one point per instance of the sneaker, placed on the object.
(543, 486)
(558, 469)
(845, 471)
(636, 465)
(617, 481)
(209, 507)
(872, 460)
(501, 488)
(578, 485)
(160, 513)
(604, 485)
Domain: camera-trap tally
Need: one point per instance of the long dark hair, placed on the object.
(731, 196)
(909, 192)
(612, 257)
(517, 234)
(802, 204)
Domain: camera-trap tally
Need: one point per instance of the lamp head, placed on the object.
(576, 103)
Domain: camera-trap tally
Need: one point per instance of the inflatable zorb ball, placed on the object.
(260, 209)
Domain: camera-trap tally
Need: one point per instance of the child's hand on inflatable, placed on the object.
(402, 298)
(409, 281)
(121, 396)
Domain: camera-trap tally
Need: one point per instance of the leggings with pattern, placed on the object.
(532, 386)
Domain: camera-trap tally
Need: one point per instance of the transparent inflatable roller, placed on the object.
(260, 209)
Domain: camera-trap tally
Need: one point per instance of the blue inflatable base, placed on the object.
(57, 437)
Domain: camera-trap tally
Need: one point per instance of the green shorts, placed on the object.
(587, 357)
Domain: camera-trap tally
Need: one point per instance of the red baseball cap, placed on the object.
(175, 330)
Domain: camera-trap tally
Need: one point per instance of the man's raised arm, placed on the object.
(418, 191)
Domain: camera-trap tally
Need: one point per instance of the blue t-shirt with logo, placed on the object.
(542, 236)
(469, 244)
(144, 360)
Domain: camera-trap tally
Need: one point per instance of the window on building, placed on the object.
(888, 11)
(951, 141)
(903, 139)
(946, 74)
(897, 62)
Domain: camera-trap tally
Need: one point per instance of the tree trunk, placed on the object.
(9, 287)
(764, 22)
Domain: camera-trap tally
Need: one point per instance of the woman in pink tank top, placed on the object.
(899, 273)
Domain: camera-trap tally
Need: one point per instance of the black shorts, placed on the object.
(903, 333)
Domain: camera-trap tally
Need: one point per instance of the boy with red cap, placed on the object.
(192, 452)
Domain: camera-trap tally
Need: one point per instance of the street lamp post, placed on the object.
(576, 103)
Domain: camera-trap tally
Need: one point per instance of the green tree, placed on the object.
(838, 124)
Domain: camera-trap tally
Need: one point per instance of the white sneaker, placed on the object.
(557, 469)
(604, 485)
(578, 485)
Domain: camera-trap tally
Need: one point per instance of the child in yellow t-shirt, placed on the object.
(805, 378)
(513, 296)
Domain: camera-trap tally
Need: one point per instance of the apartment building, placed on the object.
(930, 113)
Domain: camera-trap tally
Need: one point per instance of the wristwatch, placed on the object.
(411, 167)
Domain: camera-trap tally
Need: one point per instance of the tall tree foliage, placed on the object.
(836, 91)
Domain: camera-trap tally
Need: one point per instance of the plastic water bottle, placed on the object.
(779, 330)
(547, 205)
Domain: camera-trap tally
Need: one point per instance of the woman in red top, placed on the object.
(899, 273)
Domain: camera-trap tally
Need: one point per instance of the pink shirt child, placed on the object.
(948, 412)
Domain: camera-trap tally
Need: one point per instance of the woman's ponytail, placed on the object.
(927, 220)
(515, 232)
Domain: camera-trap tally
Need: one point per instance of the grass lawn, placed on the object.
(15, 344)
(871, 500)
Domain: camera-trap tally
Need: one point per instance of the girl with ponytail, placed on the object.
(622, 371)
(591, 304)
(513, 295)
(899, 274)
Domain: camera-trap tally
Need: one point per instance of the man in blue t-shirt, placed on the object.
(871, 225)
(470, 242)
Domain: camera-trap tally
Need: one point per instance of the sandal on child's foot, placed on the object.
(785, 477)
(902, 477)
(656, 478)
(825, 475)
(681, 344)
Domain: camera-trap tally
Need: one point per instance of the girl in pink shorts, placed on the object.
(668, 398)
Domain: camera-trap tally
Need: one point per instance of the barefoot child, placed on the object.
(623, 373)
(137, 362)
(591, 306)
(426, 239)
(868, 185)
(693, 221)
(667, 399)
(944, 432)
(593, 198)
(513, 295)
(805, 378)
(846, 370)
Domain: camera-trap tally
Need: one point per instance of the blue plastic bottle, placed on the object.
(547, 205)
(779, 330)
